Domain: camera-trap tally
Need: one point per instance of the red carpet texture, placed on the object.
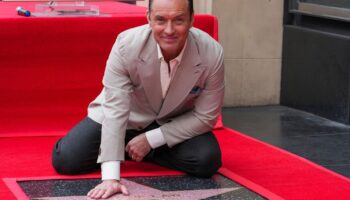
(263, 168)
(279, 171)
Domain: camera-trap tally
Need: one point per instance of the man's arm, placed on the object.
(117, 87)
(111, 169)
(116, 106)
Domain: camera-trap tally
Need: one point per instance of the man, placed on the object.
(163, 90)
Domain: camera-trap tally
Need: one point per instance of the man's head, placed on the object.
(190, 6)
(170, 21)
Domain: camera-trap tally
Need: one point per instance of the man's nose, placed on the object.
(169, 29)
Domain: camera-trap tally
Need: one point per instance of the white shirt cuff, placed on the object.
(155, 138)
(110, 170)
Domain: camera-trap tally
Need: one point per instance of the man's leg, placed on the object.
(199, 156)
(77, 152)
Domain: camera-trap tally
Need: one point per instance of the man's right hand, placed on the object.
(106, 189)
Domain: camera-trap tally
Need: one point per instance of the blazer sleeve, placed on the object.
(207, 107)
(117, 90)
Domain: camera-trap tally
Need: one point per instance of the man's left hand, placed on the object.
(138, 147)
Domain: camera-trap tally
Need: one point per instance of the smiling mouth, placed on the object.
(169, 39)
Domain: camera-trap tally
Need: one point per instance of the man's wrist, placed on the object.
(155, 138)
(111, 180)
(110, 170)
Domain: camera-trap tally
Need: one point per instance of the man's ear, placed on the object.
(148, 15)
(192, 20)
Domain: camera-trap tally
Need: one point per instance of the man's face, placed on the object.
(170, 21)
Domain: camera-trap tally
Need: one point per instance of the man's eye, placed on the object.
(179, 21)
(160, 21)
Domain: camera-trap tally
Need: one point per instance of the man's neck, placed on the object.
(169, 57)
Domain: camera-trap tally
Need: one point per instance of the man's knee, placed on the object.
(208, 164)
(64, 162)
(77, 152)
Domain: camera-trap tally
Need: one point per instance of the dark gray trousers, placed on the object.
(77, 152)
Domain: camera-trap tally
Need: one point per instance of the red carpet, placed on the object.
(263, 168)
(281, 172)
(51, 68)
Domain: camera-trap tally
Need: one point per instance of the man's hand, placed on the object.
(138, 147)
(106, 189)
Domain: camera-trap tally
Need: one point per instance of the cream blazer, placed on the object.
(132, 96)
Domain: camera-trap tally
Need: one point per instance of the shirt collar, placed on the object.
(178, 58)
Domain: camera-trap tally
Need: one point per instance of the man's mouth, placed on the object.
(169, 39)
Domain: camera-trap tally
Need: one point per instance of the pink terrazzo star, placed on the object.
(141, 192)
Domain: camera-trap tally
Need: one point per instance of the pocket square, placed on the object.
(196, 90)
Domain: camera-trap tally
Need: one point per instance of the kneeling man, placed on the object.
(163, 91)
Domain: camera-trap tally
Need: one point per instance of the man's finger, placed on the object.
(109, 192)
(93, 193)
(100, 193)
(90, 192)
(131, 155)
(134, 157)
(138, 159)
(127, 147)
(124, 190)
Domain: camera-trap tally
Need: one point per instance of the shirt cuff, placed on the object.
(155, 138)
(110, 170)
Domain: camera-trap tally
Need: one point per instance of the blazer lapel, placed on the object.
(185, 78)
(148, 70)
